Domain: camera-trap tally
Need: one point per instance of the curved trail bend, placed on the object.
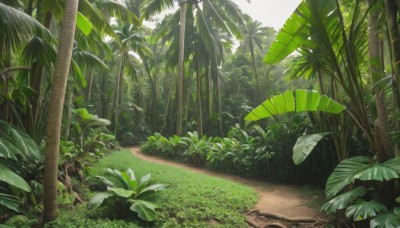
(285, 200)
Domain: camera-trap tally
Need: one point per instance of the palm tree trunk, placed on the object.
(36, 85)
(103, 96)
(89, 86)
(199, 113)
(70, 95)
(115, 106)
(181, 65)
(155, 100)
(58, 87)
(253, 61)
(219, 106)
(320, 82)
(207, 79)
(168, 101)
(393, 27)
(30, 8)
(37, 73)
(188, 94)
(383, 143)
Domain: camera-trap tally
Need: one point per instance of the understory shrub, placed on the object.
(126, 193)
(250, 152)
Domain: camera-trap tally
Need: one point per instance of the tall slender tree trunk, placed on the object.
(253, 61)
(383, 143)
(88, 91)
(199, 112)
(70, 95)
(181, 65)
(30, 8)
(58, 87)
(320, 82)
(37, 71)
(103, 96)
(154, 107)
(115, 105)
(168, 101)
(219, 106)
(394, 36)
(188, 95)
(207, 80)
(393, 27)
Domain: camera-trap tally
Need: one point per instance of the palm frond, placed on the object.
(38, 50)
(150, 7)
(16, 27)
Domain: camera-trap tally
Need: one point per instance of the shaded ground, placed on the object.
(278, 205)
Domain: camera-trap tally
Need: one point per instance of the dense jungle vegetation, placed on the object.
(316, 102)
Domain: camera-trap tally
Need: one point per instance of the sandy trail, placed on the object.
(285, 200)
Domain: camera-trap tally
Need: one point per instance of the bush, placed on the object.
(125, 192)
(250, 152)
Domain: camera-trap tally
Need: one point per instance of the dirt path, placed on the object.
(284, 200)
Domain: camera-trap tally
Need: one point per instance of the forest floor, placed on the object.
(278, 205)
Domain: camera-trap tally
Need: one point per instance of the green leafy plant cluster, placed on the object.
(235, 153)
(88, 141)
(355, 188)
(20, 167)
(125, 192)
(190, 200)
(250, 151)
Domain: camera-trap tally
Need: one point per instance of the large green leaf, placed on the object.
(10, 202)
(106, 181)
(377, 172)
(20, 140)
(89, 119)
(295, 101)
(365, 209)
(362, 168)
(117, 175)
(98, 199)
(11, 178)
(8, 150)
(342, 201)
(291, 36)
(385, 220)
(78, 73)
(304, 145)
(145, 210)
(150, 190)
(121, 192)
(84, 24)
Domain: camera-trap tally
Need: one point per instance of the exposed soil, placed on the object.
(278, 205)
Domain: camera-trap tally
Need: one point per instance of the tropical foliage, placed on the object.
(124, 191)
(249, 152)
(118, 73)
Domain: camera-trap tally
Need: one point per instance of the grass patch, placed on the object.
(191, 199)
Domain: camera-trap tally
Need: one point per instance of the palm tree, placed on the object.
(224, 15)
(129, 40)
(253, 33)
(393, 28)
(16, 29)
(181, 65)
(63, 60)
(377, 74)
(321, 28)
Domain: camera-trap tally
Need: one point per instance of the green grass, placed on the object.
(191, 199)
